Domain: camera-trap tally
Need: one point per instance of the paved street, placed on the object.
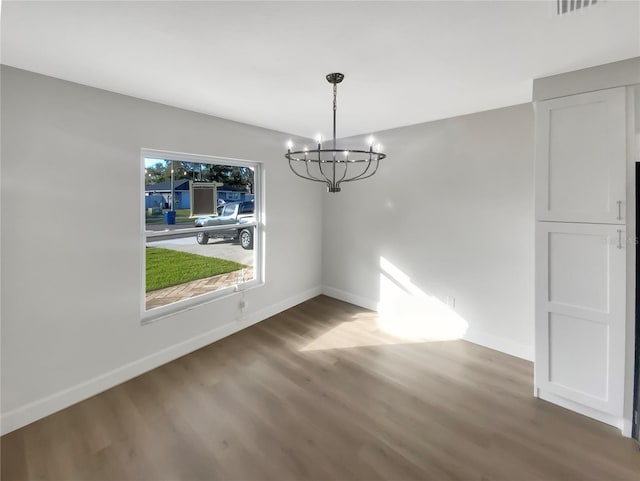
(165, 227)
(223, 249)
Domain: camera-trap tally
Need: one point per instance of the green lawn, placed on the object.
(166, 267)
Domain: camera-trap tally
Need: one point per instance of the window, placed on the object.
(246, 208)
(196, 245)
(228, 210)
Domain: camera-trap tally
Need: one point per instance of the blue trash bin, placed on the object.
(170, 217)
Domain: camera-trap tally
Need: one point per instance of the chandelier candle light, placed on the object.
(334, 166)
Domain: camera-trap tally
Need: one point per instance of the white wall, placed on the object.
(451, 211)
(71, 276)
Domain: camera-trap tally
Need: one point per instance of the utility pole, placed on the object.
(172, 191)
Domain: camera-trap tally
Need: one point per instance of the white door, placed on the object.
(581, 158)
(580, 314)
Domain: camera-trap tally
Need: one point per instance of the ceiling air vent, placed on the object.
(570, 6)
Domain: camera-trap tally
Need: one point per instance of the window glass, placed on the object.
(195, 243)
(246, 208)
(229, 209)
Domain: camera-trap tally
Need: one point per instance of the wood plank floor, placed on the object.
(317, 392)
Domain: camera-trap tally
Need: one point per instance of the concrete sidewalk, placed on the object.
(169, 295)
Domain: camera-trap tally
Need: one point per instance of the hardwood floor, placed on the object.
(281, 401)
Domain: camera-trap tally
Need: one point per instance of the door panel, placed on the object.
(581, 158)
(580, 315)
(566, 266)
(578, 351)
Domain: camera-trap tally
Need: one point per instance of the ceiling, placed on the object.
(264, 63)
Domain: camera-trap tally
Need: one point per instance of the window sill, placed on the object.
(171, 310)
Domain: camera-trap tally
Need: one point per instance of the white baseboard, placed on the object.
(584, 410)
(350, 298)
(501, 344)
(477, 337)
(16, 418)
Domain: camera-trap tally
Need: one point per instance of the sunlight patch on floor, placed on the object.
(362, 331)
(405, 315)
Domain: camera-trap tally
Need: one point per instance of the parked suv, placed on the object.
(233, 214)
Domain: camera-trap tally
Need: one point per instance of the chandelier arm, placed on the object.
(343, 175)
(333, 166)
(309, 175)
(359, 176)
(305, 177)
(366, 169)
(306, 164)
(377, 160)
(346, 168)
(325, 180)
(362, 176)
(320, 167)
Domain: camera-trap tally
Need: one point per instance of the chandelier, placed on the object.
(334, 166)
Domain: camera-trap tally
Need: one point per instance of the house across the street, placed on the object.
(159, 195)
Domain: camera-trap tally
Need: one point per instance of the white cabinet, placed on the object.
(581, 158)
(581, 252)
(580, 314)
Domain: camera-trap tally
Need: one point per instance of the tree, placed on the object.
(246, 175)
(159, 172)
(226, 174)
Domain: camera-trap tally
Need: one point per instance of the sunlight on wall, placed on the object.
(406, 312)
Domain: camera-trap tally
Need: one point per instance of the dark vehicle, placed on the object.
(233, 214)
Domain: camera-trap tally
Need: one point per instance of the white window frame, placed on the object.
(152, 315)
